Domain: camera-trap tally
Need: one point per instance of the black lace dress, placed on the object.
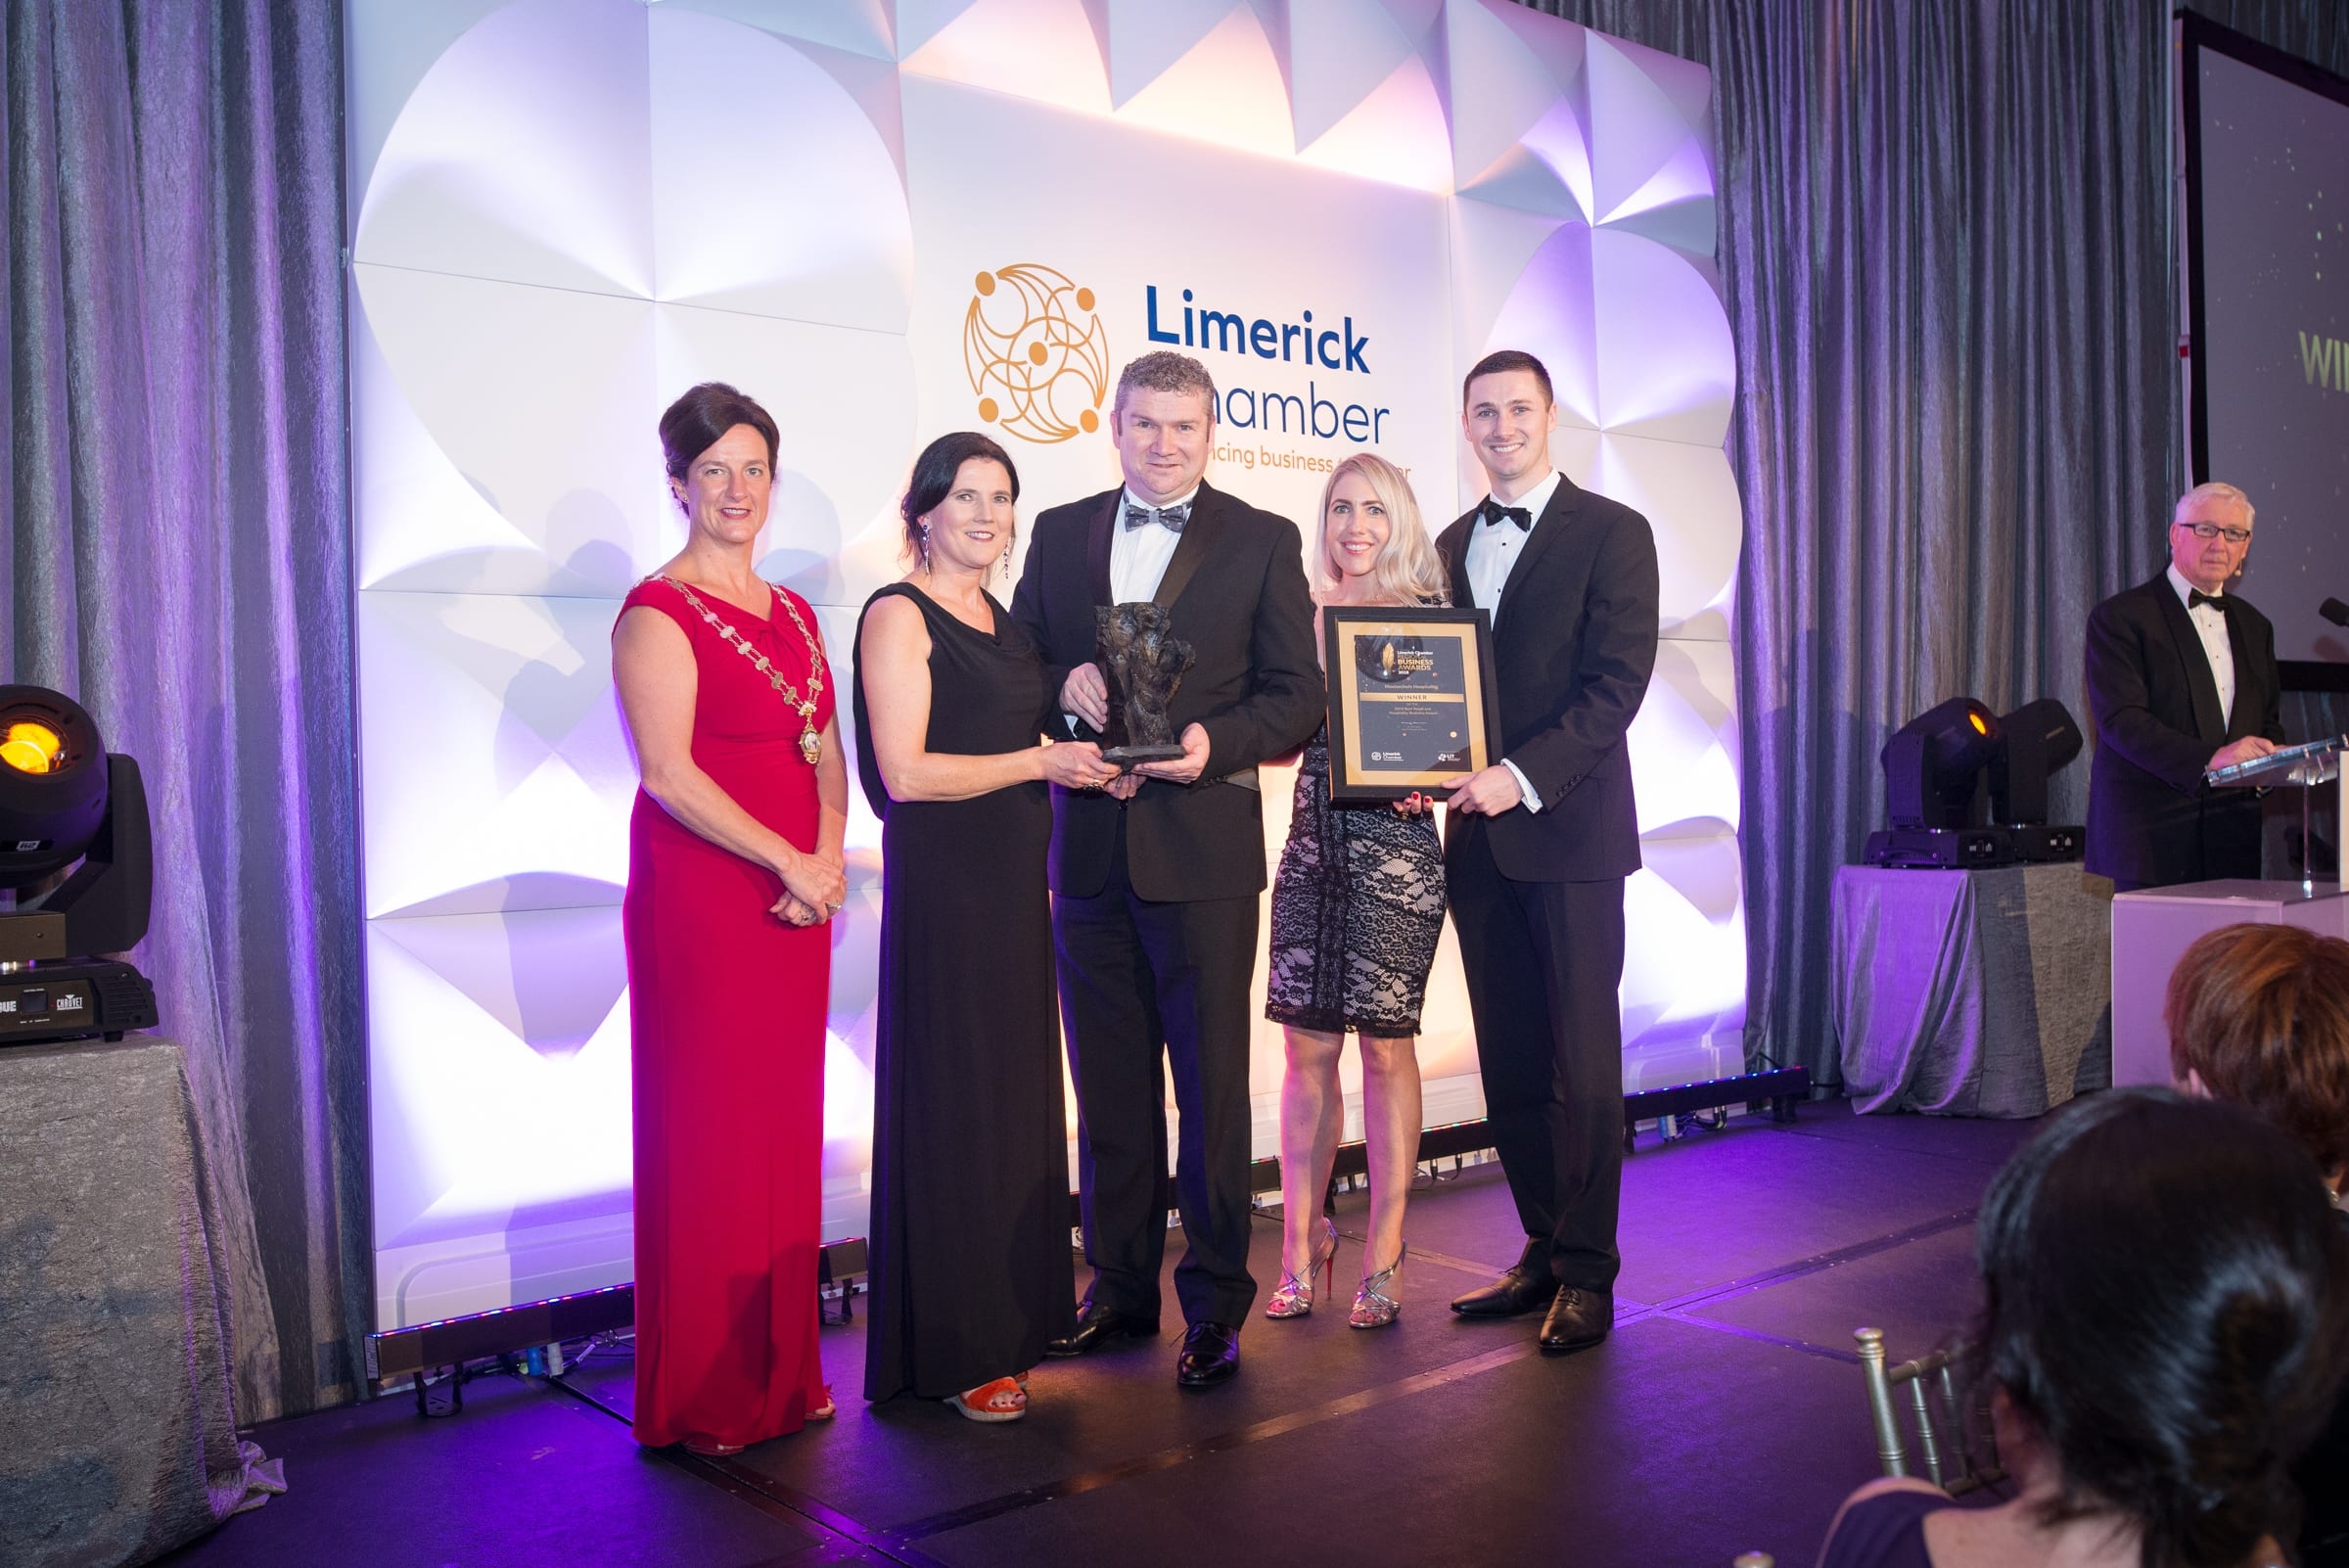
(1356, 907)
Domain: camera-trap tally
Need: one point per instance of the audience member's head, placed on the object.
(2260, 1015)
(2167, 1315)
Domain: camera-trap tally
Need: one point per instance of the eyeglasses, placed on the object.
(2211, 531)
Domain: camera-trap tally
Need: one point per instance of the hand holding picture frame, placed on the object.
(1412, 701)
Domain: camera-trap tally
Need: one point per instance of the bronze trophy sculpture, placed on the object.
(1145, 666)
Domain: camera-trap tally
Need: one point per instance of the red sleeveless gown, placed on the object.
(726, 1005)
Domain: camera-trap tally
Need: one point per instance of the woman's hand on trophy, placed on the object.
(1076, 765)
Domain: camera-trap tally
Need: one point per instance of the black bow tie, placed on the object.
(2195, 597)
(1495, 513)
(1169, 518)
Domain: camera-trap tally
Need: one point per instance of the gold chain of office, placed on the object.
(812, 745)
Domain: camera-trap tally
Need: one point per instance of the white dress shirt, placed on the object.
(2210, 623)
(1138, 557)
(1493, 549)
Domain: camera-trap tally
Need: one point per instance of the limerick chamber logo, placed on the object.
(1037, 354)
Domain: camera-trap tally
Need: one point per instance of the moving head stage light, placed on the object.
(1967, 789)
(2039, 739)
(64, 798)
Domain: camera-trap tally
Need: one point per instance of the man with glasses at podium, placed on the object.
(2182, 680)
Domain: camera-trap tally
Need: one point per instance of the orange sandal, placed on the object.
(826, 1410)
(1002, 1400)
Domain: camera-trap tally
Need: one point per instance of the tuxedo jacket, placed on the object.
(1235, 586)
(1575, 643)
(2155, 712)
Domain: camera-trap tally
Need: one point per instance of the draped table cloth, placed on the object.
(1971, 992)
(117, 1428)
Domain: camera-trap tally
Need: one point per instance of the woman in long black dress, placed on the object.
(1357, 907)
(970, 1273)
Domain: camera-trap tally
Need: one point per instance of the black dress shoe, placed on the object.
(1513, 1295)
(1097, 1325)
(1210, 1354)
(1577, 1320)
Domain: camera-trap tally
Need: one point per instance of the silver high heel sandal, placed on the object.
(1374, 1304)
(1295, 1297)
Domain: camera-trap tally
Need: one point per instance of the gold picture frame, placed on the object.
(1414, 706)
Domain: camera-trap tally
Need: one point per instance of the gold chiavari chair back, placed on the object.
(1933, 1411)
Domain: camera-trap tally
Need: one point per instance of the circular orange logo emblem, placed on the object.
(1035, 353)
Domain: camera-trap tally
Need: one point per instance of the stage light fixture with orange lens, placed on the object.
(1933, 765)
(77, 874)
(1966, 788)
(31, 747)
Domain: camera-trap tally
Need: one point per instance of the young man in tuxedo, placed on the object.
(1538, 845)
(2182, 679)
(1155, 879)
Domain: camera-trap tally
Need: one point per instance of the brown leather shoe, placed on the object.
(1513, 1295)
(1577, 1320)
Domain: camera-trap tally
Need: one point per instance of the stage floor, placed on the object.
(1726, 1414)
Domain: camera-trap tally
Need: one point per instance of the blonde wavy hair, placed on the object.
(1408, 569)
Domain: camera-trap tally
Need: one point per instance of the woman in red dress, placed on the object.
(734, 868)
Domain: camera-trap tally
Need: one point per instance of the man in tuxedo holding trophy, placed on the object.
(1155, 878)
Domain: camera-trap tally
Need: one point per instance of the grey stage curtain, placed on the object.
(1945, 244)
(178, 560)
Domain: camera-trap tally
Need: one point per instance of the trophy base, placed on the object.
(1127, 756)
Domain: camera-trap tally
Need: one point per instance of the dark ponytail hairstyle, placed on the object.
(2166, 1301)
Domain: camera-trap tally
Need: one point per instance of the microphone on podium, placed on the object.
(2335, 612)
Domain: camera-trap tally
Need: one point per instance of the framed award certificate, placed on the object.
(1412, 705)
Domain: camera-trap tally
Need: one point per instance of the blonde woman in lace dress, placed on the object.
(1356, 907)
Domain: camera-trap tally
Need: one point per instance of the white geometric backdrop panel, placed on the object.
(886, 220)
